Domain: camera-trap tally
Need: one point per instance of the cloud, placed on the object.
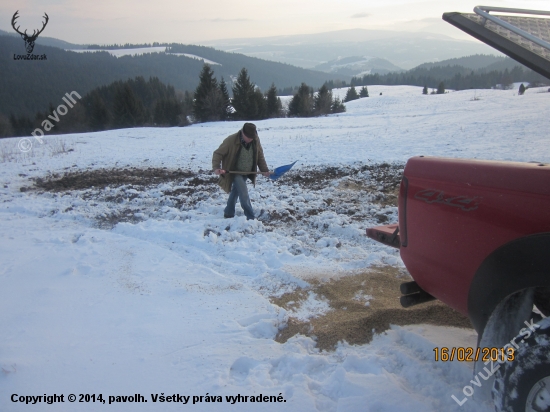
(360, 15)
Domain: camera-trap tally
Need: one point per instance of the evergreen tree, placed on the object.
(441, 88)
(98, 115)
(281, 110)
(208, 99)
(338, 106)
(39, 117)
(288, 91)
(226, 101)
(50, 126)
(173, 111)
(301, 104)
(274, 105)
(213, 105)
(506, 80)
(21, 126)
(187, 108)
(521, 89)
(425, 90)
(76, 120)
(244, 101)
(167, 112)
(364, 92)
(5, 127)
(128, 110)
(323, 101)
(351, 94)
(259, 106)
(134, 102)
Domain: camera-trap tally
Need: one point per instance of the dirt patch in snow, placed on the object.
(361, 305)
(125, 191)
(383, 179)
(364, 194)
(102, 178)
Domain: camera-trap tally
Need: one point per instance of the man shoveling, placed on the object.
(238, 158)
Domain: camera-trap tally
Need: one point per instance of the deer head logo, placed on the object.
(29, 40)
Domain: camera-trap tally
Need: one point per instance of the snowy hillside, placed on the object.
(143, 50)
(120, 275)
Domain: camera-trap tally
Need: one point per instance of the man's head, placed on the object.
(249, 132)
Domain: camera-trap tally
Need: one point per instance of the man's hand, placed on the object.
(267, 174)
(219, 171)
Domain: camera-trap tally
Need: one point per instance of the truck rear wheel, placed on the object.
(523, 385)
(542, 300)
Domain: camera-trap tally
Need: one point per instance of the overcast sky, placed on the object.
(184, 21)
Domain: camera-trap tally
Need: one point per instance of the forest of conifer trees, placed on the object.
(138, 102)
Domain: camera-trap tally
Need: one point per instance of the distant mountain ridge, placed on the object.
(395, 50)
(47, 41)
(358, 66)
(30, 86)
(477, 63)
(503, 71)
(474, 62)
(404, 49)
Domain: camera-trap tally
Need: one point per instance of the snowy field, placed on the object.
(142, 287)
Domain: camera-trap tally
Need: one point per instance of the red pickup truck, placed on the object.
(475, 234)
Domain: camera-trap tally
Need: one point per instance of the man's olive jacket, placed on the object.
(227, 155)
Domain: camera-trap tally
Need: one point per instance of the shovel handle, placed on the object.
(245, 173)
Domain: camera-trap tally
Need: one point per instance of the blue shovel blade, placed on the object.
(281, 170)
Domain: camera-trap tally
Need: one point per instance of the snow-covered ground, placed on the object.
(144, 288)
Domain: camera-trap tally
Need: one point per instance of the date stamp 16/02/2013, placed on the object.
(469, 354)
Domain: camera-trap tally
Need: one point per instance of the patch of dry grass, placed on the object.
(355, 322)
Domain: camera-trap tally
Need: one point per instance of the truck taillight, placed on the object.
(403, 211)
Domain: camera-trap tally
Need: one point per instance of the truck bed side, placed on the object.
(456, 212)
